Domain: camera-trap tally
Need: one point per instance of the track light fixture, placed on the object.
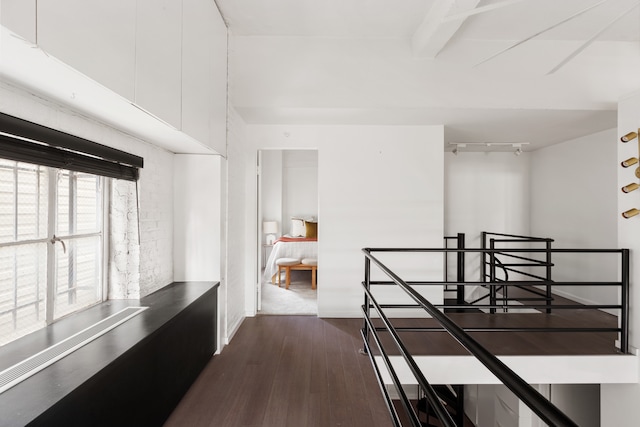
(630, 213)
(630, 187)
(457, 147)
(629, 162)
(516, 145)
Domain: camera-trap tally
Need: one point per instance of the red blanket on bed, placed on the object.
(296, 239)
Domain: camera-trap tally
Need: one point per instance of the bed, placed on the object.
(290, 247)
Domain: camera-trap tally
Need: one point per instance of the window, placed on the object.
(51, 222)
(51, 245)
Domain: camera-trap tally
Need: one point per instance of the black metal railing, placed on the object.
(519, 265)
(459, 241)
(538, 404)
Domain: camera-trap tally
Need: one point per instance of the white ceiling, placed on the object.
(402, 62)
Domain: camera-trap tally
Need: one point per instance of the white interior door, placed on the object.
(259, 235)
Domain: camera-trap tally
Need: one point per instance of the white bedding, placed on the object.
(304, 249)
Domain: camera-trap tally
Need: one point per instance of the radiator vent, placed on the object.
(34, 364)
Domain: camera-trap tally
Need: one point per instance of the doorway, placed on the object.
(287, 211)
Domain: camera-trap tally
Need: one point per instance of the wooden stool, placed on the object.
(307, 264)
(313, 265)
(286, 264)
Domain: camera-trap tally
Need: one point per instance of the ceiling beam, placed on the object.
(481, 9)
(433, 34)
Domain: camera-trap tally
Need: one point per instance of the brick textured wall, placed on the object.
(124, 247)
(156, 222)
(141, 251)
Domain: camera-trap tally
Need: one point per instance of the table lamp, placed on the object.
(270, 228)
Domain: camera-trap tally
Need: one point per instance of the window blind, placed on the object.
(24, 141)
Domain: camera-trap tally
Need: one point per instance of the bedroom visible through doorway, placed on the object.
(288, 224)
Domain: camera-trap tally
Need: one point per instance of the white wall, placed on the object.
(299, 185)
(197, 227)
(271, 189)
(573, 200)
(378, 186)
(486, 192)
(629, 229)
(620, 402)
(239, 228)
(289, 186)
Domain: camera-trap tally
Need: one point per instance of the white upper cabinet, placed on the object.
(204, 74)
(158, 63)
(19, 16)
(167, 57)
(96, 38)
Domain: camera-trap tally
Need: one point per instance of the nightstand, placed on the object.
(266, 248)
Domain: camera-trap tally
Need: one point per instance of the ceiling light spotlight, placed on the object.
(629, 162)
(630, 213)
(457, 146)
(629, 137)
(518, 148)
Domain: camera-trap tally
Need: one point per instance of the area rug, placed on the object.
(298, 299)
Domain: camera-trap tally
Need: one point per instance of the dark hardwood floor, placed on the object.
(287, 371)
(307, 371)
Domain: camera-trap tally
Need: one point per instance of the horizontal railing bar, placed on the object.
(546, 239)
(540, 262)
(529, 240)
(534, 306)
(541, 278)
(506, 329)
(518, 264)
(480, 250)
(536, 291)
(541, 295)
(531, 397)
(509, 283)
(534, 261)
(535, 276)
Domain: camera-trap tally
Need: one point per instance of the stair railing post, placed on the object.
(624, 316)
(460, 272)
(548, 276)
(492, 278)
(483, 258)
(366, 307)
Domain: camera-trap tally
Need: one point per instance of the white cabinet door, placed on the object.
(19, 16)
(158, 58)
(204, 74)
(95, 38)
